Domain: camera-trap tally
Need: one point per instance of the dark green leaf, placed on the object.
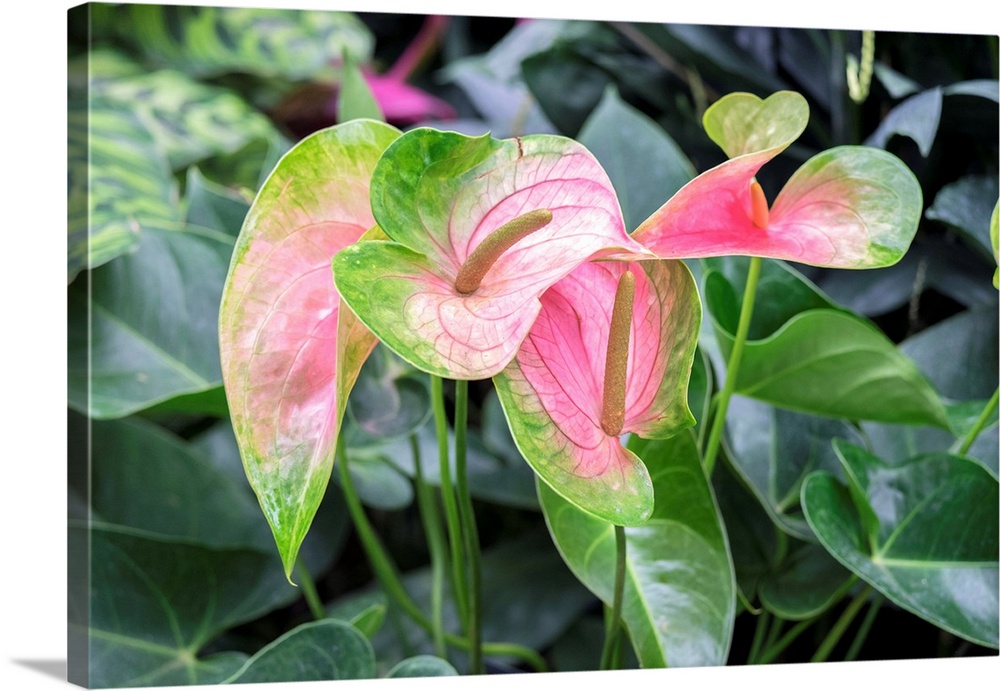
(390, 398)
(774, 450)
(680, 591)
(316, 651)
(927, 536)
(644, 163)
(214, 206)
(547, 73)
(806, 584)
(365, 613)
(149, 331)
(422, 666)
(967, 205)
(155, 603)
(917, 118)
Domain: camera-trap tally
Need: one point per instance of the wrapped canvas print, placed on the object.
(408, 345)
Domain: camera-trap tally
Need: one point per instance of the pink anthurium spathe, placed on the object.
(290, 352)
(479, 229)
(850, 207)
(610, 353)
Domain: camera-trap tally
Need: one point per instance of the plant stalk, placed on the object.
(435, 546)
(386, 573)
(458, 579)
(733, 366)
(613, 624)
(840, 626)
(469, 532)
(309, 590)
(980, 425)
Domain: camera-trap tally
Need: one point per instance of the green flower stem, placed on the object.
(777, 648)
(450, 506)
(759, 633)
(866, 625)
(426, 503)
(980, 425)
(469, 532)
(386, 573)
(614, 620)
(733, 366)
(309, 590)
(833, 637)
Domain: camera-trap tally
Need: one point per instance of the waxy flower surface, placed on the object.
(479, 229)
(850, 207)
(610, 353)
(290, 353)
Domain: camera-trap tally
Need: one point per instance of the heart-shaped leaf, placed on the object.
(438, 195)
(924, 533)
(680, 592)
(553, 393)
(315, 651)
(290, 354)
(422, 666)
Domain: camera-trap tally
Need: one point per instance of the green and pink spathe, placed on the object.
(440, 196)
(850, 207)
(290, 352)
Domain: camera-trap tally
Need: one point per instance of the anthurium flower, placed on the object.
(290, 353)
(610, 353)
(479, 229)
(850, 207)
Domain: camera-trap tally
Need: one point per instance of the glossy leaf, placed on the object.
(437, 195)
(422, 666)
(391, 399)
(807, 583)
(552, 393)
(917, 117)
(155, 603)
(290, 354)
(129, 346)
(366, 614)
(644, 163)
(923, 533)
(315, 651)
(271, 42)
(774, 450)
(119, 184)
(828, 363)
(680, 594)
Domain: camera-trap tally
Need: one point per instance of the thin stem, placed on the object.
(420, 49)
(613, 625)
(386, 573)
(435, 545)
(864, 628)
(776, 649)
(833, 637)
(309, 590)
(450, 506)
(469, 532)
(733, 366)
(980, 425)
(759, 633)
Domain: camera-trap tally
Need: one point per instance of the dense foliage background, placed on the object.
(177, 115)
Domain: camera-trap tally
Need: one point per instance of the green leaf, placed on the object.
(917, 117)
(315, 651)
(546, 74)
(149, 329)
(422, 666)
(774, 450)
(966, 205)
(189, 120)
(680, 591)
(120, 184)
(154, 603)
(390, 398)
(807, 583)
(645, 165)
(378, 483)
(926, 537)
(829, 363)
(355, 99)
(995, 241)
(366, 613)
(213, 206)
(192, 500)
(209, 41)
